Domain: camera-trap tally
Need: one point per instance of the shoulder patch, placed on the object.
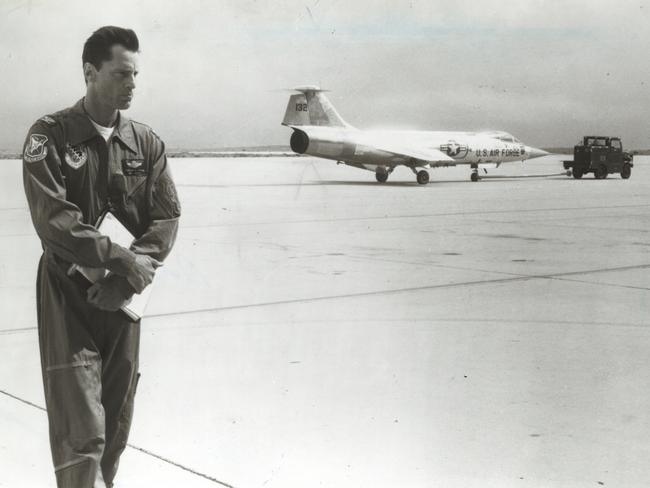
(166, 192)
(35, 149)
(48, 120)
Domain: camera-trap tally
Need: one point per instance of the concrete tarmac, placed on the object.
(314, 328)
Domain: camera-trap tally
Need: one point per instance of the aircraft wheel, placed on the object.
(626, 171)
(422, 177)
(601, 172)
(381, 175)
(474, 177)
(577, 173)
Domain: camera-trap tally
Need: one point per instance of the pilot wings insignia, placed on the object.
(134, 167)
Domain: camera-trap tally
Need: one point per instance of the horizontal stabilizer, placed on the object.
(309, 88)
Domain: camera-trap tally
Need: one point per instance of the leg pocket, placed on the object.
(74, 407)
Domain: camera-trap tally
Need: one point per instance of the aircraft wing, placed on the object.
(431, 156)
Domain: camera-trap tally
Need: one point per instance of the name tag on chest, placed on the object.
(134, 167)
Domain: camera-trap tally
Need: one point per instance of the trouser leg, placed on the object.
(71, 364)
(119, 380)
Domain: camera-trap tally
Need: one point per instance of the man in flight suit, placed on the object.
(77, 164)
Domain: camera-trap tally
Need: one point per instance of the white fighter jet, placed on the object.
(318, 130)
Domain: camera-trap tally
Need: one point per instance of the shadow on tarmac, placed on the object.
(367, 183)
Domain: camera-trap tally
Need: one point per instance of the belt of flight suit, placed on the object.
(89, 357)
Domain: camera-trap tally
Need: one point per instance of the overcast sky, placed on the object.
(212, 71)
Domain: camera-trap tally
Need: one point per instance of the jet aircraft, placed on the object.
(318, 130)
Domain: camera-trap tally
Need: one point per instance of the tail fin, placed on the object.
(311, 107)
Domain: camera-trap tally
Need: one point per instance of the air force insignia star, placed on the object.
(76, 156)
(35, 150)
(455, 150)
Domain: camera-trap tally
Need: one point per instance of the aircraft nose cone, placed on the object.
(533, 152)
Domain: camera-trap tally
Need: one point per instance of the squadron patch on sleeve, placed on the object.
(35, 149)
(167, 193)
(76, 156)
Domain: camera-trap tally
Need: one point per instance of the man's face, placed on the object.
(114, 82)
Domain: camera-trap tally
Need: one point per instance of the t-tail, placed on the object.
(311, 107)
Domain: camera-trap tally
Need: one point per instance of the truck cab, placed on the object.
(601, 156)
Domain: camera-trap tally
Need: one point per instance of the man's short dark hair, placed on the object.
(97, 48)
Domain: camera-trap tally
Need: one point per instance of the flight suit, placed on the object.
(89, 357)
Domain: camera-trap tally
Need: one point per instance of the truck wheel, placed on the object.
(601, 172)
(577, 173)
(626, 171)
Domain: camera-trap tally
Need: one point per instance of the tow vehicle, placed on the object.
(601, 156)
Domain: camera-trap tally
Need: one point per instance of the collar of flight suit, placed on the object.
(82, 130)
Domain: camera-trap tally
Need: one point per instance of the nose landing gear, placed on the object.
(475, 176)
(422, 176)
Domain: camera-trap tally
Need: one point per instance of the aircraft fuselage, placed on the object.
(362, 148)
(318, 130)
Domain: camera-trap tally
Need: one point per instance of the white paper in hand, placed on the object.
(113, 228)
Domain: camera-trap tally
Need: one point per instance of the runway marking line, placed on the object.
(553, 276)
(15, 331)
(511, 278)
(415, 216)
(137, 448)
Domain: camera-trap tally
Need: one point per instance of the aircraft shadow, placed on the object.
(492, 179)
(369, 183)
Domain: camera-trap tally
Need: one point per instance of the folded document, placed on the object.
(109, 226)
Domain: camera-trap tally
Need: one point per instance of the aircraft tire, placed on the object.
(601, 172)
(381, 176)
(423, 177)
(474, 177)
(626, 172)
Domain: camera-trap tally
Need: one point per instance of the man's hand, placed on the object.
(142, 273)
(106, 295)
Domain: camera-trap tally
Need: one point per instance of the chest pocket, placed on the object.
(135, 171)
(79, 171)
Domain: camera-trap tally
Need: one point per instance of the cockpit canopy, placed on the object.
(502, 136)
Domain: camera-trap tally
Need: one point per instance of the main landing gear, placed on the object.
(422, 176)
(381, 173)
